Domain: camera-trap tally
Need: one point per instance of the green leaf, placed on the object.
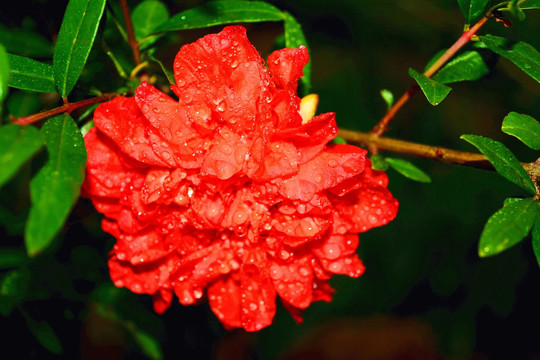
(536, 237)
(339, 140)
(25, 43)
(23, 103)
(75, 39)
(524, 127)
(503, 161)
(148, 344)
(379, 163)
(45, 335)
(434, 91)
(13, 287)
(220, 13)
(468, 66)
(147, 16)
(29, 74)
(11, 257)
(388, 98)
(507, 227)
(516, 11)
(472, 9)
(17, 145)
(56, 187)
(529, 4)
(4, 74)
(168, 73)
(526, 57)
(408, 170)
(294, 38)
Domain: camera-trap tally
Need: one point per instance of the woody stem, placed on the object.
(132, 41)
(427, 151)
(382, 125)
(66, 108)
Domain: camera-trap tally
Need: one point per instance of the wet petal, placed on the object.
(287, 65)
(293, 282)
(224, 299)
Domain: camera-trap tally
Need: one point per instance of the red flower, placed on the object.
(228, 190)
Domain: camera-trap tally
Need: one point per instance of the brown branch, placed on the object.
(66, 108)
(382, 125)
(427, 151)
(132, 41)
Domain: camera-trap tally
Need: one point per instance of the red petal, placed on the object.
(224, 299)
(258, 299)
(286, 65)
(351, 266)
(326, 170)
(293, 282)
(162, 300)
(368, 207)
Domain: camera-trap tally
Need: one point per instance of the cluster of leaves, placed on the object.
(514, 221)
(57, 150)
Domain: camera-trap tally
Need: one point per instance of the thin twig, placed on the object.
(382, 125)
(132, 40)
(66, 108)
(427, 151)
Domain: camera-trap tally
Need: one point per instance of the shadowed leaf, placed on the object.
(434, 91)
(408, 170)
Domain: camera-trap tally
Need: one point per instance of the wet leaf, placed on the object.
(4, 74)
(56, 187)
(294, 38)
(503, 161)
(530, 4)
(468, 66)
(75, 40)
(524, 127)
(220, 13)
(472, 9)
(147, 16)
(507, 227)
(17, 145)
(29, 74)
(408, 170)
(526, 57)
(536, 237)
(434, 91)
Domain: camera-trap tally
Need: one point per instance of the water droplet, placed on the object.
(226, 149)
(331, 251)
(275, 272)
(332, 163)
(335, 267)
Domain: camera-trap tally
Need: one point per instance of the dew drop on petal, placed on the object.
(331, 251)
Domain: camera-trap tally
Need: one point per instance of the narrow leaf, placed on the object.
(29, 74)
(388, 97)
(221, 12)
(10, 257)
(516, 11)
(23, 103)
(468, 66)
(434, 91)
(472, 9)
(75, 40)
(536, 236)
(530, 4)
(294, 38)
(17, 145)
(524, 127)
(13, 287)
(45, 335)
(526, 57)
(408, 170)
(4, 74)
(25, 43)
(148, 344)
(56, 186)
(507, 227)
(168, 73)
(503, 161)
(147, 16)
